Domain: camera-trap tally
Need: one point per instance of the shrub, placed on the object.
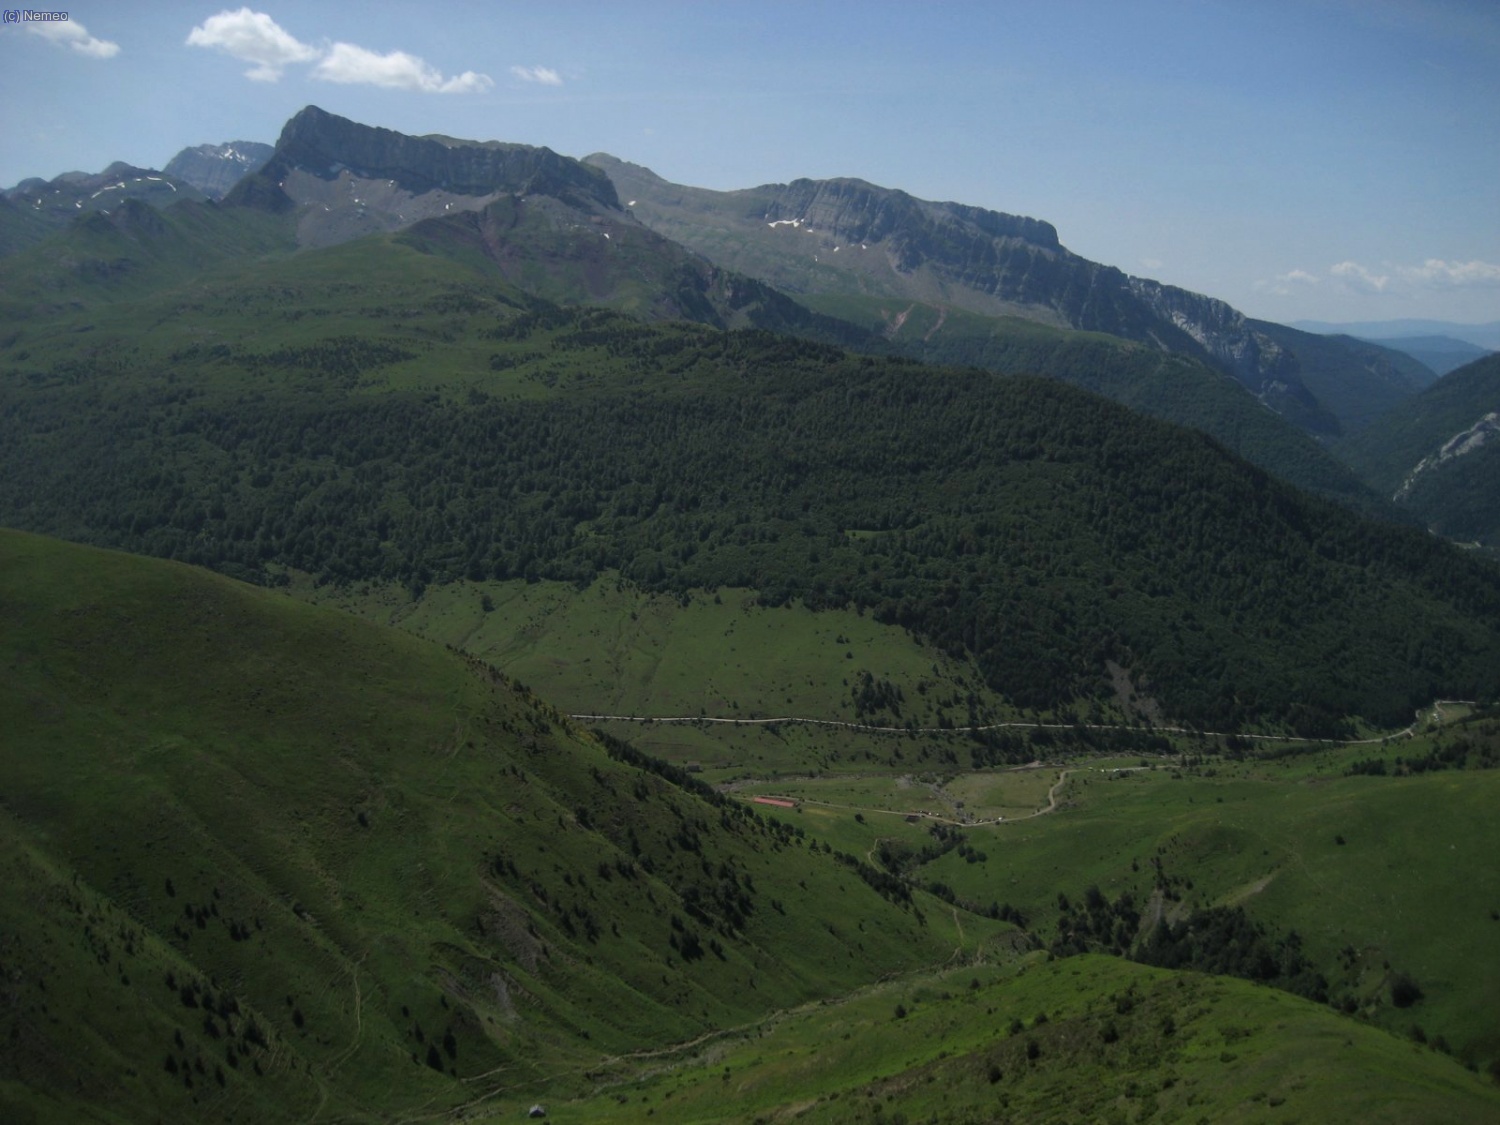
(1405, 991)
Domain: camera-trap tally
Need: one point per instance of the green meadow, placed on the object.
(614, 649)
(1287, 837)
(266, 860)
(1380, 876)
(1083, 1039)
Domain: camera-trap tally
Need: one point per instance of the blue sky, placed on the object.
(1325, 159)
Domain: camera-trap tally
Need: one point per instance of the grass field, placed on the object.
(1086, 1039)
(370, 850)
(1378, 875)
(611, 649)
(1257, 834)
(615, 650)
(227, 811)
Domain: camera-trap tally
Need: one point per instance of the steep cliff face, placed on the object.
(1220, 330)
(846, 236)
(214, 169)
(1006, 257)
(347, 180)
(1235, 345)
(324, 145)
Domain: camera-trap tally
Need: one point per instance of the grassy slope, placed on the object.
(1406, 890)
(100, 258)
(615, 650)
(304, 812)
(332, 794)
(1235, 1052)
(1262, 836)
(20, 227)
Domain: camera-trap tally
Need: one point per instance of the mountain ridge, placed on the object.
(986, 261)
(383, 181)
(554, 226)
(35, 209)
(215, 169)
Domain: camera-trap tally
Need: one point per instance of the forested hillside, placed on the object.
(1174, 388)
(1042, 530)
(1438, 456)
(1355, 380)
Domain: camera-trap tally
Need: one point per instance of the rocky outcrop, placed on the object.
(1233, 344)
(214, 169)
(345, 180)
(1466, 441)
(324, 145)
(1019, 260)
(868, 239)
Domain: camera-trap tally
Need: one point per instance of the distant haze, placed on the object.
(1486, 336)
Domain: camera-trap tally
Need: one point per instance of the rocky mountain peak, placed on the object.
(324, 145)
(214, 169)
(345, 180)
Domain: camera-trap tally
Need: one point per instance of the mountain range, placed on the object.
(847, 238)
(1484, 336)
(958, 669)
(348, 180)
(511, 204)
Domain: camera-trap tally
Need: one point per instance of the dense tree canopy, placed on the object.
(1037, 528)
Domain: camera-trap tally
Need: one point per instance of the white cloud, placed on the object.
(544, 75)
(1152, 263)
(1434, 273)
(1357, 277)
(71, 33)
(253, 37)
(397, 70)
(1438, 274)
(1282, 285)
